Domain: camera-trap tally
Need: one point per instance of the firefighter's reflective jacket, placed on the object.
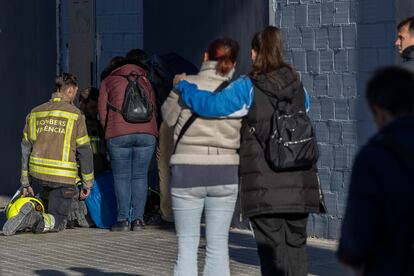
(54, 138)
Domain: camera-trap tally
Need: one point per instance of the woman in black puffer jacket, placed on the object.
(277, 203)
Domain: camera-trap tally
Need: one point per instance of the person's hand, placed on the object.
(355, 270)
(178, 78)
(84, 193)
(28, 191)
(157, 153)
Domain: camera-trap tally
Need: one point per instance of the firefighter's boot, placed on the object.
(27, 218)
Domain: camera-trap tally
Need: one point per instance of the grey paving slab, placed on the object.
(152, 252)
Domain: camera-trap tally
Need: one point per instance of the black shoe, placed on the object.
(70, 224)
(137, 225)
(27, 218)
(159, 223)
(120, 226)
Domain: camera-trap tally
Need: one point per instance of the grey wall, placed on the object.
(404, 8)
(335, 45)
(187, 26)
(119, 28)
(27, 72)
(82, 41)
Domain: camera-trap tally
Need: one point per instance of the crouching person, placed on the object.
(55, 137)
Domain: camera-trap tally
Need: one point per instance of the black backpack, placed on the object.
(136, 107)
(291, 143)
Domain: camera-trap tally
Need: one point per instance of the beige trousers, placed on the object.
(166, 137)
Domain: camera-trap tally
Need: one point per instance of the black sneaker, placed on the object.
(70, 224)
(26, 218)
(158, 223)
(137, 225)
(120, 226)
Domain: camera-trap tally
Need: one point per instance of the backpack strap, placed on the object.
(194, 116)
(112, 107)
(252, 127)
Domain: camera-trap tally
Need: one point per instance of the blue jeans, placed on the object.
(188, 205)
(130, 158)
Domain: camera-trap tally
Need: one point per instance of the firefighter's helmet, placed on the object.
(13, 207)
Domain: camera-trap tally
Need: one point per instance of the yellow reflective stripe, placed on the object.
(87, 176)
(32, 123)
(51, 171)
(51, 113)
(56, 100)
(56, 113)
(25, 173)
(51, 162)
(95, 139)
(66, 142)
(83, 140)
(25, 136)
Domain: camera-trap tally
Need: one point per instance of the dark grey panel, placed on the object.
(27, 71)
(82, 41)
(404, 9)
(187, 26)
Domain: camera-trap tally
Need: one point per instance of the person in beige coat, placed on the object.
(204, 168)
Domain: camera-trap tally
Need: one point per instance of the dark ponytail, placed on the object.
(225, 52)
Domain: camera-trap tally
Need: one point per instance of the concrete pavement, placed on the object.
(152, 252)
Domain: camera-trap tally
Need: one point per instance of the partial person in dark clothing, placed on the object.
(89, 106)
(116, 61)
(405, 42)
(277, 203)
(377, 231)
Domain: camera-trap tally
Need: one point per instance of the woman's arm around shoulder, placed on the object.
(233, 101)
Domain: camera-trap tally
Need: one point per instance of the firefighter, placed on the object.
(54, 138)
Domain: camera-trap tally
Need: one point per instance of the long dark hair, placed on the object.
(225, 52)
(269, 51)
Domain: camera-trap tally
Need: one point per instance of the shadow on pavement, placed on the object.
(84, 270)
(244, 255)
(242, 239)
(323, 262)
(2, 219)
(242, 249)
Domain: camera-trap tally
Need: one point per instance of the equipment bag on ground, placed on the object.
(101, 202)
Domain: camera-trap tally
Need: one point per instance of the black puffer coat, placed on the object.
(408, 57)
(264, 191)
